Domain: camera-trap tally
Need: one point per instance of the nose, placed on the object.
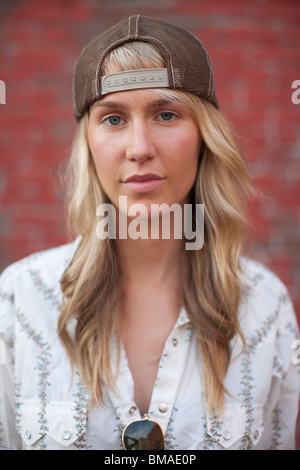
(140, 144)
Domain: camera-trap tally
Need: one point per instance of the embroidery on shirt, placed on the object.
(119, 430)
(248, 381)
(170, 438)
(80, 416)
(278, 368)
(211, 436)
(4, 296)
(18, 404)
(48, 292)
(276, 434)
(250, 278)
(42, 366)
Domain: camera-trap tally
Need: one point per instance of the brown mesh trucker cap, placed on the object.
(188, 66)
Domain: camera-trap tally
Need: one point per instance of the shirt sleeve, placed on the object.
(9, 437)
(280, 422)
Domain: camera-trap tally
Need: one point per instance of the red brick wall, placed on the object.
(255, 51)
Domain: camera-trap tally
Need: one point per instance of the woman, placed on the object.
(115, 332)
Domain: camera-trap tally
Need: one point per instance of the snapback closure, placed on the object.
(134, 79)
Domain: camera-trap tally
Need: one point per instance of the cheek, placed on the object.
(103, 159)
(185, 155)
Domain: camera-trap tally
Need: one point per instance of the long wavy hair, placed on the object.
(213, 288)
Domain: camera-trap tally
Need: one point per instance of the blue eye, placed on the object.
(167, 116)
(113, 120)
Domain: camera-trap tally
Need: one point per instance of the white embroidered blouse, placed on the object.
(40, 408)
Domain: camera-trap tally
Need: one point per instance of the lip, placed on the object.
(143, 183)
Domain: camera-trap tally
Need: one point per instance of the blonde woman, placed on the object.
(121, 339)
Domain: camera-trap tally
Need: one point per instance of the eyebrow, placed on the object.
(115, 104)
(106, 104)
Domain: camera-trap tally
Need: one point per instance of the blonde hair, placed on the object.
(212, 290)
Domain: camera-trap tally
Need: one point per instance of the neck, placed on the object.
(150, 263)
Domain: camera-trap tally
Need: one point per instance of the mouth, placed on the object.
(143, 183)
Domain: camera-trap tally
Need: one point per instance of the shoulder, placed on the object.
(265, 300)
(257, 274)
(48, 262)
(24, 282)
(260, 282)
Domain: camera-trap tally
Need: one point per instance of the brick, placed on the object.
(254, 49)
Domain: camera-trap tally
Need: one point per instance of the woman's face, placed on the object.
(145, 147)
